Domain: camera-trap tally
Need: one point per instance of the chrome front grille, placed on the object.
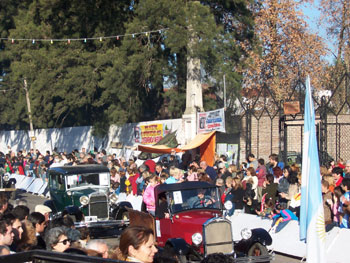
(98, 206)
(217, 236)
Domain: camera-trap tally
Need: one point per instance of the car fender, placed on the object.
(259, 235)
(73, 210)
(179, 245)
(120, 208)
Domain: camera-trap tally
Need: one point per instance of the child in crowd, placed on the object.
(148, 195)
(344, 203)
(281, 218)
(192, 174)
(266, 208)
(163, 177)
(336, 203)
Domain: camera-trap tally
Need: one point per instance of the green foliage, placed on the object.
(115, 81)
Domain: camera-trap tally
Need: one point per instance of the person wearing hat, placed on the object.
(44, 210)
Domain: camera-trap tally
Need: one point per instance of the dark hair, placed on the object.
(274, 157)
(292, 178)
(84, 232)
(20, 212)
(346, 182)
(337, 170)
(289, 169)
(261, 161)
(9, 218)
(3, 227)
(36, 218)
(250, 156)
(223, 157)
(270, 178)
(133, 236)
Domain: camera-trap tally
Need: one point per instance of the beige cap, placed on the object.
(43, 209)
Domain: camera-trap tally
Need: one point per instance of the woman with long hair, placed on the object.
(137, 244)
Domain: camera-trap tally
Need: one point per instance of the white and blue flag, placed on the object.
(312, 225)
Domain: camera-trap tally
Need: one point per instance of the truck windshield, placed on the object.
(80, 180)
(194, 199)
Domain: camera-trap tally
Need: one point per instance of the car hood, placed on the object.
(87, 191)
(197, 216)
(191, 222)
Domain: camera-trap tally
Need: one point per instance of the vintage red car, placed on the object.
(189, 220)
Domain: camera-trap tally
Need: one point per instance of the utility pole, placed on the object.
(225, 91)
(31, 133)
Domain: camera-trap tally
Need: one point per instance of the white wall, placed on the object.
(68, 139)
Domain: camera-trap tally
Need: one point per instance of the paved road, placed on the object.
(33, 200)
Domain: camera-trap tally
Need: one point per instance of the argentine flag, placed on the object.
(312, 226)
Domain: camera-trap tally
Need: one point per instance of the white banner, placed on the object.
(211, 121)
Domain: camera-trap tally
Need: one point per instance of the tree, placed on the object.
(63, 77)
(287, 51)
(120, 80)
(159, 60)
(336, 18)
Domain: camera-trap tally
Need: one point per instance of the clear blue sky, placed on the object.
(313, 14)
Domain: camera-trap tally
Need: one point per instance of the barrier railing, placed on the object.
(30, 184)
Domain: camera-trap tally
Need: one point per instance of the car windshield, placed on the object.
(94, 179)
(194, 199)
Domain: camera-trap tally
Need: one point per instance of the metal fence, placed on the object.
(272, 126)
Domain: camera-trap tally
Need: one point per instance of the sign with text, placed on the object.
(151, 134)
(211, 121)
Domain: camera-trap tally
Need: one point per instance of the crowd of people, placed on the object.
(269, 190)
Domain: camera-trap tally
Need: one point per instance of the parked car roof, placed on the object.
(86, 168)
(181, 186)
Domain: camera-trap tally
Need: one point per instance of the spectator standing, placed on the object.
(253, 162)
(270, 188)
(39, 224)
(238, 194)
(148, 195)
(327, 200)
(337, 174)
(344, 202)
(261, 174)
(209, 170)
(273, 158)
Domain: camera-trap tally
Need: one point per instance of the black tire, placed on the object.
(257, 249)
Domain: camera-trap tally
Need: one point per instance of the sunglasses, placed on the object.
(64, 242)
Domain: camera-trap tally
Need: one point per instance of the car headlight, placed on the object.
(6, 177)
(197, 238)
(113, 198)
(84, 200)
(228, 205)
(246, 233)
